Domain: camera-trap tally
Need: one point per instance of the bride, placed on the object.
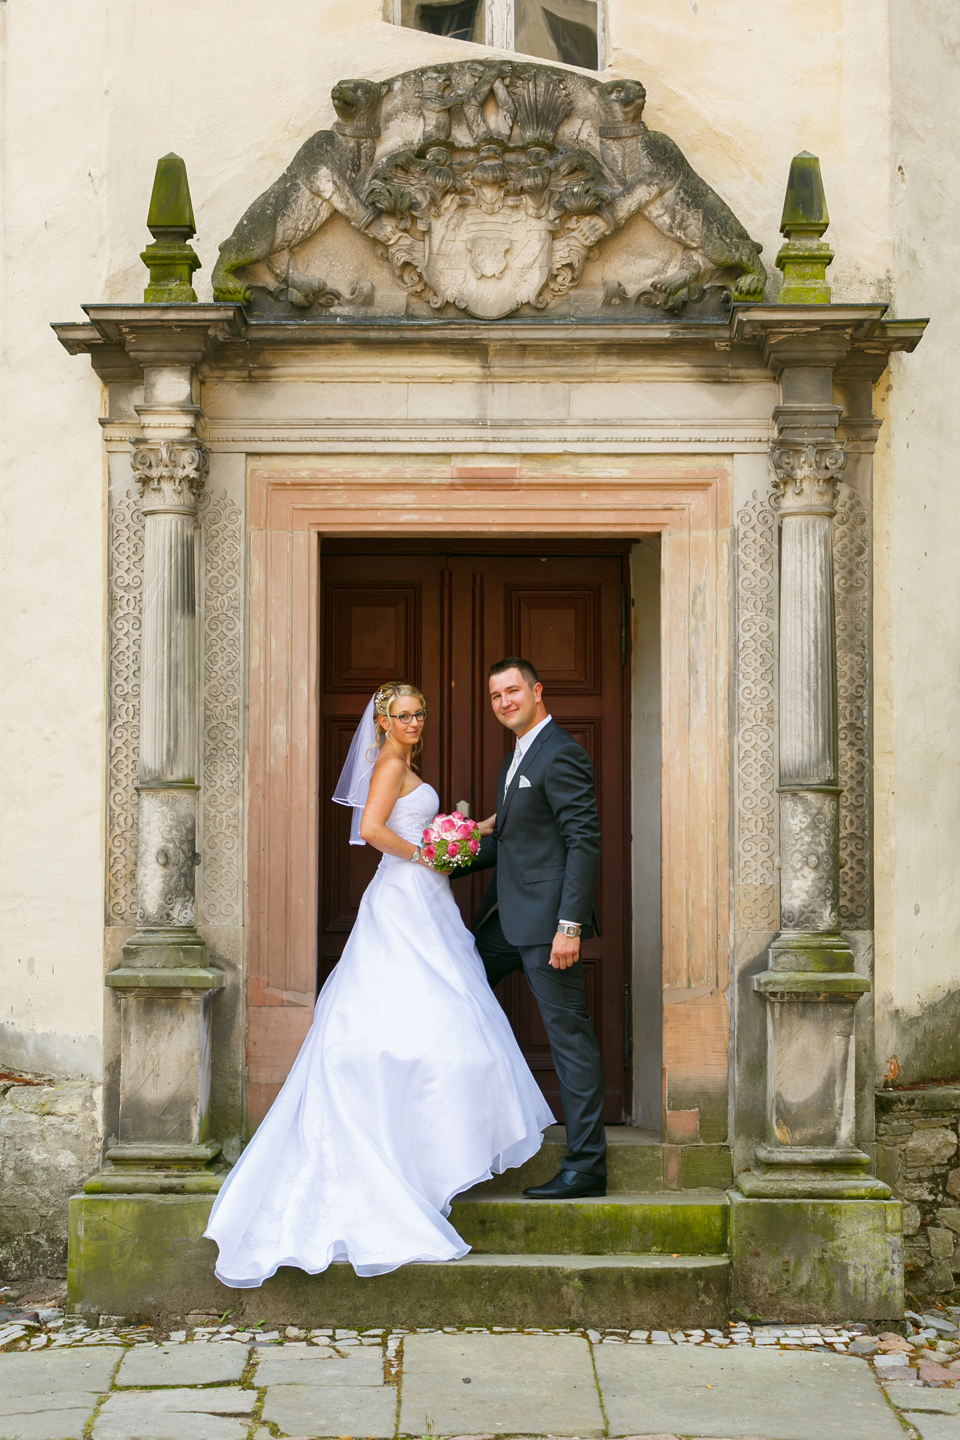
(410, 1086)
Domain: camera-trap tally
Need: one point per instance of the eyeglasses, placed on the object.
(406, 717)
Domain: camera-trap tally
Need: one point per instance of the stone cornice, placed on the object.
(854, 339)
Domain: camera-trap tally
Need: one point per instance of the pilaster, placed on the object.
(164, 984)
(811, 986)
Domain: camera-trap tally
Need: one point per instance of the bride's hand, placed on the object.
(486, 827)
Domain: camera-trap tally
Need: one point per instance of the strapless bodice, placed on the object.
(413, 813)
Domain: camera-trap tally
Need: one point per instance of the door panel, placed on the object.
(440, 621)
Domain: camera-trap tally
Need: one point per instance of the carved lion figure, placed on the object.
(659, 182)
(324, 176)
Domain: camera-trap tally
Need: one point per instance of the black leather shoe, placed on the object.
(568, 1185)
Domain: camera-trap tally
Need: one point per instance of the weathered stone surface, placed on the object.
(837, 1257)
(940, 1241)
(500, 1396)
(754, 1392)
(176, 1415)
(945, 1216)
(49, 1144)
(911, 1219)
(440, 145)
(930, 1147)
(211, 1364)
(332, 1410)
(52, 1396)
(317, 1366)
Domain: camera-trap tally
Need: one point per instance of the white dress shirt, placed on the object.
(523, 745)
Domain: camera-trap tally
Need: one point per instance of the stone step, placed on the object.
(650, 1291)
(694, 1223)
(636, 1162)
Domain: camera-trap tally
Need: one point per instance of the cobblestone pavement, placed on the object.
(62, 1380)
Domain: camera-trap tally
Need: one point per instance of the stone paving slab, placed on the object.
(215, 1364)
(519, 1384)
(942, 1402)
(57, 1373)
(51, 1397)
(934, 1427)
(779, 1395)
(149, 1415)
(322, 1410)
(318, 1366)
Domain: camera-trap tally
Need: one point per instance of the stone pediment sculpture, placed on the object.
(487, 186)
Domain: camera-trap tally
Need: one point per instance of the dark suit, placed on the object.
(546, 850)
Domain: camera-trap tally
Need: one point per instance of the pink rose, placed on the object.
(448, 826)
(426, 833)
(465, 829)
(429, 852)
(453, 849)
(473, 846)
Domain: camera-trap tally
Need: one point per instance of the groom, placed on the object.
(545, 846)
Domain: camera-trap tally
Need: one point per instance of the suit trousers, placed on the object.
(561, 996)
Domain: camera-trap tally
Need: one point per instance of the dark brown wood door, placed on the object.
(441, 620)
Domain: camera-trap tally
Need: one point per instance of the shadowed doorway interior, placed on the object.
(440, 619)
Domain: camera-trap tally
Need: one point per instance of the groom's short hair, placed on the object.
(513, 662)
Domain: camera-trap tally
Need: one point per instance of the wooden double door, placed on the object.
(439, 620)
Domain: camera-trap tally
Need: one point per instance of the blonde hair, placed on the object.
(382, 701)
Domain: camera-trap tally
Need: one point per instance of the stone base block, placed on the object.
(142, 1256)
(817, 1260)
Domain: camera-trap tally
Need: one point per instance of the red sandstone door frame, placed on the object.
(292, 505)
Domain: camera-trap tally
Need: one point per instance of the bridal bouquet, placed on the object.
(450, 841)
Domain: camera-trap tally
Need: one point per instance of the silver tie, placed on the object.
(513, 770)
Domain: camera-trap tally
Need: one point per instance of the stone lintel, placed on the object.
(925, 1100)
(230, 338)
(176, 949)
(188, 981)
(152, 1168)
(810, 985)
(821, 1156)
(801, 950)
(810, 1182)
(167, 1156)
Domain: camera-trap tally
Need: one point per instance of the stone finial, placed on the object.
(804, 257)
(170, 260)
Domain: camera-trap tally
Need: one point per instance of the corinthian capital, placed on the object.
(170, 474)
(806, 474)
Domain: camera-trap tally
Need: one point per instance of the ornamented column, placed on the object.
(164, 985)
(811, 986)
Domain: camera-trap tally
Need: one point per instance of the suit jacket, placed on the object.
(546, 844)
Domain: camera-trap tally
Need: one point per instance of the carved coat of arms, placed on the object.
(487, 186)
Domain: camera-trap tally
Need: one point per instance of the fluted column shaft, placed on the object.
(170, 474)
(806, 474)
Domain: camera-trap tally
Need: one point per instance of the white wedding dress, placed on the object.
(409, 1089)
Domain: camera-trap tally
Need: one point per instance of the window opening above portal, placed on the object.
(570, 31)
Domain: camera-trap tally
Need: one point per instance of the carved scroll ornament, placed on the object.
(487, 185)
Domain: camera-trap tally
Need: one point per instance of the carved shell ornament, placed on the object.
(487, 186)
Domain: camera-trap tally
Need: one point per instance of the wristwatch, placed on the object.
(572, 932)
(416, 855)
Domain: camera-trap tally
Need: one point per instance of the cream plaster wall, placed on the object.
(917, 571)
(52, 538)
(96, 92)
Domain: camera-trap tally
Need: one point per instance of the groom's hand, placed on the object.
(564, 951)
